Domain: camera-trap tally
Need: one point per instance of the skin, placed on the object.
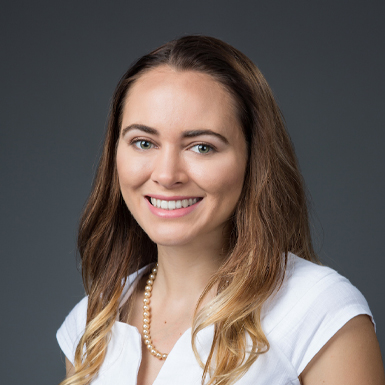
(351, 357)
(154, 156)
(174, 104)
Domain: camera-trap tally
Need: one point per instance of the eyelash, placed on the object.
(136, 142)
(211, 148)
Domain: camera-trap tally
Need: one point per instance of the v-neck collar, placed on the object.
(125, 349)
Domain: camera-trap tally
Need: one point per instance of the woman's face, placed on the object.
(181, 156)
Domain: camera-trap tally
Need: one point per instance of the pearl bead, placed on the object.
(146, 316)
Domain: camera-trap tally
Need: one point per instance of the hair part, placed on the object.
(270, 220)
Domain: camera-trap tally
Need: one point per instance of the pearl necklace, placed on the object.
(147, 316)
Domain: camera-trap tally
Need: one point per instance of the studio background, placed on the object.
(60, 63)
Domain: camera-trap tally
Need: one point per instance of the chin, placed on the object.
(170, 238)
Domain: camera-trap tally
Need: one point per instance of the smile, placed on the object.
(173, 204)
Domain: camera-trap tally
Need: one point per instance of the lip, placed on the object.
(172, 198)
(176, 213)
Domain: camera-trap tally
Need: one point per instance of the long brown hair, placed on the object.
(270, 220)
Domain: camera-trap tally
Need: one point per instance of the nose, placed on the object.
(169, 170)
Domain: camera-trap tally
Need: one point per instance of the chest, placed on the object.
(166, 328)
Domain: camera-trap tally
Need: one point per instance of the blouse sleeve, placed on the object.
(331, 310)
(319, 303)
(72, 329)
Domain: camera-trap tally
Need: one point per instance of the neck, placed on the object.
(184, 271)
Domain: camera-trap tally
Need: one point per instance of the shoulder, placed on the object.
(73, 327)
(313, 303)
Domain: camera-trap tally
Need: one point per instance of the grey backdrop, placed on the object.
(60, 63)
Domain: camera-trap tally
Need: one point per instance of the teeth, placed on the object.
(172, 205)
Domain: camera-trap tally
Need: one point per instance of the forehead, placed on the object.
(165, 74)
(167, 93)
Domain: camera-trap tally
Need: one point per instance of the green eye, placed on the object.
(143, 144)
(202, 148)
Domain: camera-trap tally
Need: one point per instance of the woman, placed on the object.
(196, 251)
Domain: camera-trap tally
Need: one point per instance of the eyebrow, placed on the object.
(186, 134)
(140, 127)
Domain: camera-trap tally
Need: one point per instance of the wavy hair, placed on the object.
(270, 220)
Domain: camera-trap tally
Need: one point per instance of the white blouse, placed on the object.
(313, 303)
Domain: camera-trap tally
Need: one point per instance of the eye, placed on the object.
(143, 144)
(202, 148)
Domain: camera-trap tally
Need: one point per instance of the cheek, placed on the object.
(224, 178)
(131, 171)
